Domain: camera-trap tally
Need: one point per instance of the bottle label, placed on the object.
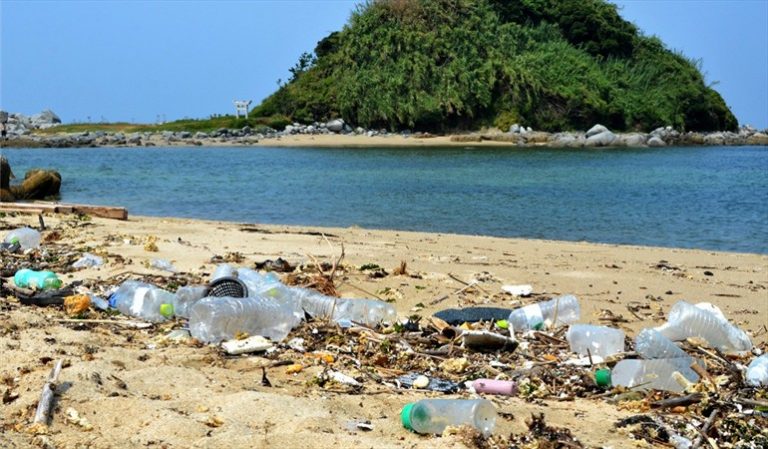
(533, 316)
(138, 300)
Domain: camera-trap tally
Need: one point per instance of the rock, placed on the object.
(514, 129)
(537, 137)
(633, 139)
(602, 139)
(371, 133)
(185, 134)
(595, 130)
(359, 130)
(757, 139)
(246, 130)
(311, 129)
(134, 138)
(347, 129)
(529, 129)
(336, 125)
(290, 129)
(201, 135)
(656, 141)
(714, 139)
(168, 135)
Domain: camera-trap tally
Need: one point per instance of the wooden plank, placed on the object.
(118, 213)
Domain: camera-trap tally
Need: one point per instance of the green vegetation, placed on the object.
(192, 125)
(463, 64)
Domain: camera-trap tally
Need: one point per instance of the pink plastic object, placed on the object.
(492, 386)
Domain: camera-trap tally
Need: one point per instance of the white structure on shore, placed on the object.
(242, 106)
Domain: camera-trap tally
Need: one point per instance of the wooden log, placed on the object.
(117, 213)
(46, 398)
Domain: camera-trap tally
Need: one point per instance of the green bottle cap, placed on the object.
(405, 416)
(603, 377)
(502, 324)
(166, 310)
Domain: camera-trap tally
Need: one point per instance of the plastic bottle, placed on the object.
(40, 280)
(215, 319)
(656, 374)
(186, 297)
(28, 238)
(601, 341)
(88, 260)
(651, 344)
(223, 270)
(558, 311)
(494, 386)
(686, 320)
(143, 300)
(757, 372)
(432, 416)
(345, 311)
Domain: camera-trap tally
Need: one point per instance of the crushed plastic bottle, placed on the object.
(143, 300)
(686, 320)
(39, 280)
(346, 311)
(656, 374)
(88, 260)
(651, 344)
(432, 416)
(757, 372)
(213, 320)
(186, 297)
(555, 312)
(27, 238)
(164, 265)
(601, 341)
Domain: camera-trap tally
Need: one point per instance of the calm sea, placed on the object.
(713, 198)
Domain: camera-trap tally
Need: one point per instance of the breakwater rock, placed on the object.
(20, 124)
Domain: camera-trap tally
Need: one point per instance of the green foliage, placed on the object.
(448, 64)
(276, 121)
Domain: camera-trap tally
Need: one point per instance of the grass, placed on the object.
(191, 125)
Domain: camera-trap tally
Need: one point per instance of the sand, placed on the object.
(181, 396)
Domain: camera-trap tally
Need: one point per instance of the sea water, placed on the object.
(706, 197)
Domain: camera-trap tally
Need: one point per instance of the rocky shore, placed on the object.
(597, 136)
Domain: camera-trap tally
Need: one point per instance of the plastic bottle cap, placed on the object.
(405, 415)
(14, 240)
(603, 377)
(166, 310)
(502, 324)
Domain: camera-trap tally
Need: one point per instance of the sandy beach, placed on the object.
(136, 390)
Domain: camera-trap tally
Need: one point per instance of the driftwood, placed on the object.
(126, 323)
(46, 398)
(118, 213)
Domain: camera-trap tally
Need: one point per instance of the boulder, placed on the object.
(602, 139)
(714, 139)
(633, 139)
(185, 134)
(514, 129)
(757, 139)
(336, 125)
(656, 141)
(566, 140)
(595, 130)
(537, 137)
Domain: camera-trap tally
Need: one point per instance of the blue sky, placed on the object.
(140, 60)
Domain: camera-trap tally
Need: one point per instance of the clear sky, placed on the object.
(140, 60)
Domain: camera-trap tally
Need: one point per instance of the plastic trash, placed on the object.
(39, 280)
(455, 317)
(651, 344)
(656, 374)
(99, 302)
(344, 311)
(88, 260)
(223, 270)
(557, 311)
(257, 343)
(162, 264)
(422, 382)
(518, 290)
(686, 320)
(493, 386)
(601, 341)
(10, 247)
(488, 341)
(28, 238)
(186, 297)
(142, 300)
(432, 416)
(757, 372)
(212, 320)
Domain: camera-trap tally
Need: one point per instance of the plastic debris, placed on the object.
(434, 384)
(757, 372)
(256, 343)
(518, 290)
(162, 264)
(88, 260)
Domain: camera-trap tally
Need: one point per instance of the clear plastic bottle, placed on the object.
(651, 344)
(223, 270)
(686, 320)
(186, 297)
(557, 311)
(143, 300)
(345, 311)
(215, 319)
(28, 238)
(432, 416)
(656, 374)
(40, 280)
(757, 372)
(601, 341)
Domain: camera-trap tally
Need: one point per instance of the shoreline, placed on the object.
(189, 395)
(660, 138)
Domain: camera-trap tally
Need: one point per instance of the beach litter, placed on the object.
(88, 260)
